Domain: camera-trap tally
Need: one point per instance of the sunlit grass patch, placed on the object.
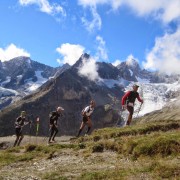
(54, 176)
(161, 143)
(140, 129)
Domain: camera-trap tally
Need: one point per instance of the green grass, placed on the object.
(157, 144)
(144, 151)
(152, 169)
(163, 144)
(30, 152)
(53, 176)
(150, 139)
(102, 175)
(141, 129)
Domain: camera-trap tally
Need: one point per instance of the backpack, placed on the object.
(51, 114)
(132, 97)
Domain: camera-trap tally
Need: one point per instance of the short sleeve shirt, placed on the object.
(88, 110)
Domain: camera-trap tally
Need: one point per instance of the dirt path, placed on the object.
(33, 140)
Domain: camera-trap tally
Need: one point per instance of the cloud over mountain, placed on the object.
(12, 51)
(89, 69)
(70, 53)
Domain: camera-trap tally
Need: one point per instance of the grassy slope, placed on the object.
(144, 151)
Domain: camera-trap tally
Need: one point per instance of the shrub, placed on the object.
(30, 148)
(98, 148)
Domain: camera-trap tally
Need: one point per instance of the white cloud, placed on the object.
(12, 51)
(45, 6)
(116, 62)
(165, 55)
(114, 3)
(89, 69)
(95, 23)
(101, 49)
(70, 53)
(165, 10)
(131, 60)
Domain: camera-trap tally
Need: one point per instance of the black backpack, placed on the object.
(51, 114)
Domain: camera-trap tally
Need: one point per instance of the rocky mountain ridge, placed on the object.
(21, 76)
(74, 91)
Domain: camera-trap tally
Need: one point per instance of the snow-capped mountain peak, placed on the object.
(23, 75)
(132, 62)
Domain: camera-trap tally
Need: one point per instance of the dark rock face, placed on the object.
(17, 73)
(20, 69)
(107, 71)
(71, 91)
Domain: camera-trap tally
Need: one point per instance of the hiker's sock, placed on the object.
(21, 138)
(80, 130)
(88, 130)
(15, 142)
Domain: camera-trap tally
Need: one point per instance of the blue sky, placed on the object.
(55, 32)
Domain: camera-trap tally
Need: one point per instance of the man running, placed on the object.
(53, 124)
(128, 102)
(86, 113)
(19, 123)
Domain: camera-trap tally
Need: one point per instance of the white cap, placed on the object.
(60, 108)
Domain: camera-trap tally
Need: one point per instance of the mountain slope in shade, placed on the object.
(24, 76)
(73, 92)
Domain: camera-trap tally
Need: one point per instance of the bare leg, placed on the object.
(89, 125)
(55, 132)
(17, 139)
(20, 139)
(129, 119)
(81, 128)
(51, 133)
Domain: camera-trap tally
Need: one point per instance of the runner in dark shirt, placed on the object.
(19, 123)
(53, 123)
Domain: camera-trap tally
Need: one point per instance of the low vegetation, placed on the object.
(144, 151)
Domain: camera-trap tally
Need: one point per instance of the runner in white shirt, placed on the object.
(86, 113)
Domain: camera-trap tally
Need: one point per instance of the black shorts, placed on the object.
(85, 119)
(18, 131)
(130, 109)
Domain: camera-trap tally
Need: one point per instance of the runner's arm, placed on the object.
(124, 98)
(139, 99)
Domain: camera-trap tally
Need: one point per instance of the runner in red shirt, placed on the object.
(128, 102)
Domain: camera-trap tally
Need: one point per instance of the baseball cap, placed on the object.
(135, 85)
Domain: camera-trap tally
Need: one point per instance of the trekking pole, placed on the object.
(141, 103)
(47, 134)
(37, 127)
(30, 131)
(119, 118)
(139, 110)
